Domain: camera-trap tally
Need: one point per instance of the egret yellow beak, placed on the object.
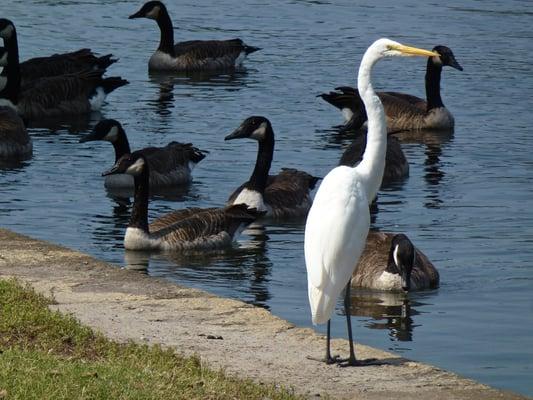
(413, 51)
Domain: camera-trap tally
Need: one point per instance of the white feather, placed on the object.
(162, 61)
(240, 58)
(347, 114)
(97, 100)
(335, 234)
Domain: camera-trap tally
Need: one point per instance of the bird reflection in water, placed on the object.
(388, 310)
(165, 82)
(434, 141)
(242, 271)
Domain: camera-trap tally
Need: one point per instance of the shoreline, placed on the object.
(244, 340)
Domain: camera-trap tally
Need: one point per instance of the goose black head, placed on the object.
(446, 57)
(7, 29)
(255, 127)
(107, 129)
(151, 10)
(3, 57)
(132, 164)
(402, 259)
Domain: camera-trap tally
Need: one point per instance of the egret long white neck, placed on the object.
(372, 166)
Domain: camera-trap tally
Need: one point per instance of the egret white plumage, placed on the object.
(339, 219)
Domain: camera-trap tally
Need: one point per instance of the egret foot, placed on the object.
(328, 360)
(349, 362)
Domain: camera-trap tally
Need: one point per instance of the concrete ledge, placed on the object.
(245, 340)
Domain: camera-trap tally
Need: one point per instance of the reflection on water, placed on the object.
(389, 310)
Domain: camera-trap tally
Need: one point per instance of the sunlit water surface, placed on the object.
(466, 204)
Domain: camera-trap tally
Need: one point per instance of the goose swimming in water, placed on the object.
(182, 230)
(55, 96)
(396, 165)
(391, 262)
(169, 166)
(403, 111)
(14, 139)
(57, 64)
(193, 55)
(281, 196)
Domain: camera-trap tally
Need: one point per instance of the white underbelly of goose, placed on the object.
(8, 103)
(439, 118)
(137, 239)
(162, 61)
(119, 181)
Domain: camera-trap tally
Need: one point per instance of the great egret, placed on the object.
(404, 111)
(339, 219)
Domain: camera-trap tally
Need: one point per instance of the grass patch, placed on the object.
(48, 355)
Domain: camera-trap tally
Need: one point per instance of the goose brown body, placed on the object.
(170, 165)
(14, 139)
(396, 165)
(403, 111)
(192, 55)
(284, 195)
(373, 263)
(181, 230)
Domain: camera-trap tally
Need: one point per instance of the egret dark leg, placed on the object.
(329, 359)
(347, 308)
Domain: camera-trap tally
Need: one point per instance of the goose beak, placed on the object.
(88, 138)
(113, 170)
(454, 64)
(414, 51)
(138, 14)
(238, 133)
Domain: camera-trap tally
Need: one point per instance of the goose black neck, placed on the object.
(121, 145)
(166, 43)
(433, 73)
(258, 180)
(139, 212)
(12, 70)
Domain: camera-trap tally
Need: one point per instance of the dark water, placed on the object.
(466, 204)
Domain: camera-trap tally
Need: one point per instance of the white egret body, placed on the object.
(339, 219)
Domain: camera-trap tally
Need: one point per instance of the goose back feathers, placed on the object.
(54, 65)
(396, 165)
(388, 256)
(183, 230)
(14, 139)
(403, 111)
(193, 55)
(169, 165)
(76, 93)
(281, 196)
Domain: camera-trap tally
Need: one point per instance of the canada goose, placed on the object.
(170, 165)
(192, 55)
(404, 111)
(396, 165)
(182, 230)
(391, 262)
(71, 94)
(14, 139)
(281, 196)
(57, 64)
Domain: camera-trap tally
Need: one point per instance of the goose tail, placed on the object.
(112, 83)
(250, 49)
